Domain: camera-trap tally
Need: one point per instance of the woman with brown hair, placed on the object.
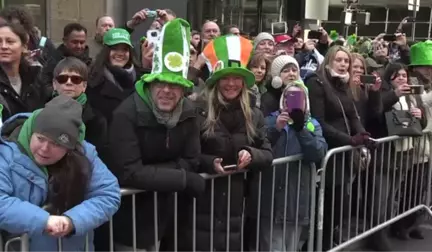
(259, 65)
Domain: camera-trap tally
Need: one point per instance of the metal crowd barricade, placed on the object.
(8, 245)
(212, 178)
(396, 184)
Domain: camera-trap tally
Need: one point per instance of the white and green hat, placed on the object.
(228, 55)
(171, 55)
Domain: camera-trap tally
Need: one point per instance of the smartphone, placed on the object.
(314, 35)
(416, 89)
(368, 79)
(294, 100)
(389, 37)
(279, 28)
(230, 167)
(153, 36)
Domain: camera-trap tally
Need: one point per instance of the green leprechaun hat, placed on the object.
(421, 54)
(227, 55)
(171, 55)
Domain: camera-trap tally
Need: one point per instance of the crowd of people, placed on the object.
(82, 120)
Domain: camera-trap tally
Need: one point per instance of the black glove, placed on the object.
(195, 184)
(298, 117)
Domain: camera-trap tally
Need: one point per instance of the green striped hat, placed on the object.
(171, 55)
(229, 55)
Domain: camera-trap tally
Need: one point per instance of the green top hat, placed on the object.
(229, 55)
(421, 54)
(117, 36)
(171, 55)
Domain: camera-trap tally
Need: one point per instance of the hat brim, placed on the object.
(248, 76)
(168, 78)
(119, 42)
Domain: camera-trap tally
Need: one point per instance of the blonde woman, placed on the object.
(332, 105)
(367, 96)
(233, 139)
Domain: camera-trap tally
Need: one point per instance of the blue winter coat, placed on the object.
(24, 188)
(288, 142)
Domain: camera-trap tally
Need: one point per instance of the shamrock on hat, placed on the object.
(171, 55)
(229, 55)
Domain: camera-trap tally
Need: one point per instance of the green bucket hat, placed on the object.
(228, 55)
(421, 54)
(171, 55)
(117, 36)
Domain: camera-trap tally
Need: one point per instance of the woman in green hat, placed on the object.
(113, 75)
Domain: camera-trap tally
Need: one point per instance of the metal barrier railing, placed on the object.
(352, 201)
(362, 214)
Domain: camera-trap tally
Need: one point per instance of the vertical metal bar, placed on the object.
(341, 207)
(286, 204)
(366, 204)
(333, 199)
(400, 180)
(25, 243)
(407, 169)
(212, 215)
(387, 19)
(60, 244)
(134, 239)
(394, 192)
(313, 183)
(228, 213)
(194, 225)
(380, 184)
(175, 220)
(258, 212)
(388, 186)
(111, 234)
(272, 208)
(359, 177)
(296, 235)
(350, 195)
(373, 192)
(243, 219)
(156, 221)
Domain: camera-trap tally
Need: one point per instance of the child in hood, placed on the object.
(291, 131)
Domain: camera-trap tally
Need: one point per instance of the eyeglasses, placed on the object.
(75, 79)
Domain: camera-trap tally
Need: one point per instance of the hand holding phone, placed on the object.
(315, 35)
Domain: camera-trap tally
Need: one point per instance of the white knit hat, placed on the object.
(262, 36)
(277, 66)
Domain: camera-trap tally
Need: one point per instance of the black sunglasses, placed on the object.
(63, 78)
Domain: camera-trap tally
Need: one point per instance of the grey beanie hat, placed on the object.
(60, 121)
(262, 36)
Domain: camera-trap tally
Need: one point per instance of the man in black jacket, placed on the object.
(155, 143)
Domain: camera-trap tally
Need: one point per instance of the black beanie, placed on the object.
(60, 121)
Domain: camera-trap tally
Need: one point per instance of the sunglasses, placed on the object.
(63, 78)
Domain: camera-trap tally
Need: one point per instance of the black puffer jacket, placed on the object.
(148, 156)
(228, 139)
(30, 98)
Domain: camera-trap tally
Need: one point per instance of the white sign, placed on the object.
(411, 4)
